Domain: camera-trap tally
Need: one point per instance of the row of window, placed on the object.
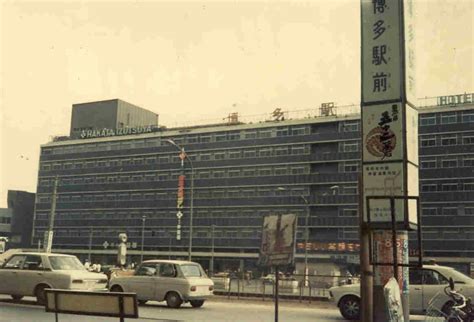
(466, 186)
(162, 214)
(167, 175)
(165, 195)
(447, 118)
(349, 146)
(242, 192)
(447, 139)
(5, 220)
(449, 162)
(166, 159)
(219, 232)
(448, 211)
(188, 139)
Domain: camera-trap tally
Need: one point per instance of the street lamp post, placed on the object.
(190, 244)
(211, 268)
(306, 236)
(143, 237)
(91, 232)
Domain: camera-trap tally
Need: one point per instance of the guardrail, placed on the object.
(316, 288)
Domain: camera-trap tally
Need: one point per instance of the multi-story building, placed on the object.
(16, 221)
(242, 171)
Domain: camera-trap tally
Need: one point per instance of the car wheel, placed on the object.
(173, 300)
(41, 294)
(142, 302)
(197, 303)
(16, 297)
(116, 289)
(350, 307)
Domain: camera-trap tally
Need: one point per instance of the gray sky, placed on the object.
(195, 61)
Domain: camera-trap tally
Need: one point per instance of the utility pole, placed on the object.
(91, 232)
(366, 270)
(143, 238)
(48, 238)
(211, 266)
(306, 237)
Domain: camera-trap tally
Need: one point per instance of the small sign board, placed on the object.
(123, 305)
(278, 240)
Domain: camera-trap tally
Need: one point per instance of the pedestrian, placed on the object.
(87, 265)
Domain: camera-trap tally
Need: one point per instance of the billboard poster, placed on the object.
(278, 240)
(381, 50)
(382, 132)
(382, 253)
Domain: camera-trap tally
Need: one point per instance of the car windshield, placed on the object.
(191, 270)
(65, 263)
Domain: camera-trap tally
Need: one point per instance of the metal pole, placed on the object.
(49, 241)
(191, 210)
(211, 270)
(366, 270)
(306, 236)
(143, 237)
(191, 207)
(169, 245)
(277, 281)
(90, 244)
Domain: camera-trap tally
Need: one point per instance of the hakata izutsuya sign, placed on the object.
(87, 134)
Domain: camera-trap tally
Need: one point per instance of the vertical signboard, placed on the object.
(381, 50)
(389, 124)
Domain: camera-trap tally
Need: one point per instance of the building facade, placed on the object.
(241, 172)
(16, 221)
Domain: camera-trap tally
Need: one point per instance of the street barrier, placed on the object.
(290, 287)
(111, 304)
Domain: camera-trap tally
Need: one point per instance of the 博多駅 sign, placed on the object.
(381, 50)
(87, 134)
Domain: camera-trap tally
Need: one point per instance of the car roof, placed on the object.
(170, 261)
(45, 254)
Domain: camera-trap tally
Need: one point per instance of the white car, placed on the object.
(173, 281)
(424, 284)
(29, 274)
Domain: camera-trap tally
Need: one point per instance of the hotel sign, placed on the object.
(88, 134)
(456, 99)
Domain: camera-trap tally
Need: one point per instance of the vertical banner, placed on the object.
(179, 205)
(180, 200)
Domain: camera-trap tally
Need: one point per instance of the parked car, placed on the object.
(424, 284)
(29, 274)
(268, 279)
(175, 282)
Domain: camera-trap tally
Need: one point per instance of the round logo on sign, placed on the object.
(380, 142)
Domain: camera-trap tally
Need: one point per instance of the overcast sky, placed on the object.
(194, 61)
